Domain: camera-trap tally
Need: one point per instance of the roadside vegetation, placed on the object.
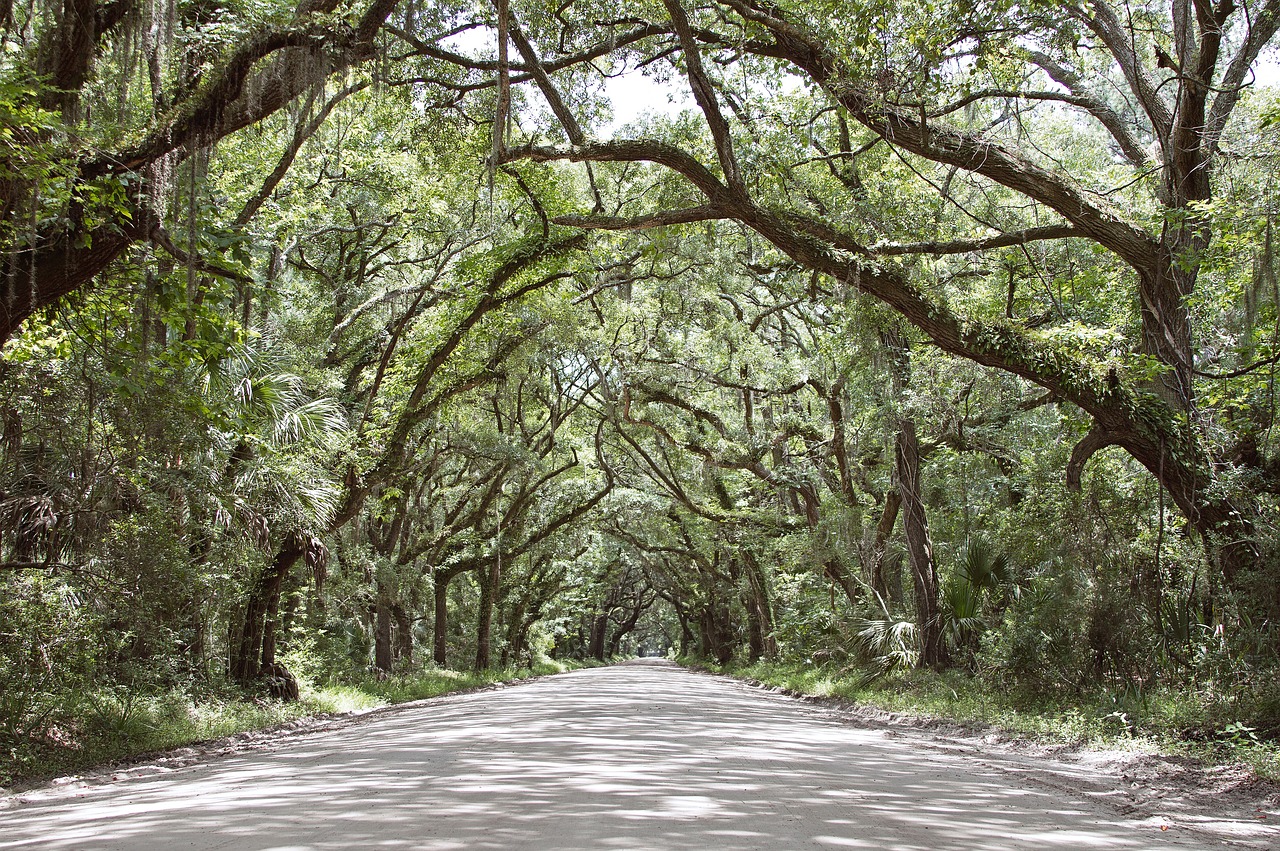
(103, 727)
(1214, 728)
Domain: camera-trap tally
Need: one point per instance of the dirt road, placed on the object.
(633, 756)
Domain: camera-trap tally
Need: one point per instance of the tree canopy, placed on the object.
(919, 334)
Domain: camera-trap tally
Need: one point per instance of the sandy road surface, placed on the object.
(633, 756)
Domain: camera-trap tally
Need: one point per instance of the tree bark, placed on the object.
(402, 649)
(715, 631)
(257, 646)
(933, 650)
(382, 635)
(489, 577)
(880, 546)
(687, 638)
(440, 628)
(599, 633)
(915, 525)
(761, 641)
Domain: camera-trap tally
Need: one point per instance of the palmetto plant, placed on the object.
(961, 612)
(255, 395)
(981, 576)
(276, 434)
(984, 568)
(892, 643)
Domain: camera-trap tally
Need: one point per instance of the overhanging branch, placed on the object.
(965, 246)
(1096, 440)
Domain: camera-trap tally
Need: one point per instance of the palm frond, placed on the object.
(892, 643)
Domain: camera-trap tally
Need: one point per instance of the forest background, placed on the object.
(922, 352)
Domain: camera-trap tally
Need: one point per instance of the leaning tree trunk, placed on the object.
(257, 648)
(599, 632)
(880, 546)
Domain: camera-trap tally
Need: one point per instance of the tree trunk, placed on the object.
(198, 647)
(522, 620)
(714, 633)
(880, 548)
(915, 526)
(599, 631)
(402, 649)
(687, 637)
(440, 629)
(194, 621)
(763, 644)
(520, 638)
(755, 633)
(489, 579)
(382, 635)
(257, 639)
(933, 650)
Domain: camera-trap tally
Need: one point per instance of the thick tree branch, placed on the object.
(1107, 26)
(658, 218)
(1097, 439)
(964, 246)
(1260, 32)
(644, 150)
(549, 91)
(949, 146)
(232, 98)
(704, 94)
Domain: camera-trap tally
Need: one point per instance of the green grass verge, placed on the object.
(105, 728)
(1158, 722)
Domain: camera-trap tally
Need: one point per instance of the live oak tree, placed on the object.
(186, 80)
(956, 99)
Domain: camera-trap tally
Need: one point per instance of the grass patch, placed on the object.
(1169, 721)
(107, 727)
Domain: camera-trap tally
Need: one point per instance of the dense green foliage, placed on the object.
(342, 348)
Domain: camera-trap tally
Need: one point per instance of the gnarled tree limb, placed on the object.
(1097, 439)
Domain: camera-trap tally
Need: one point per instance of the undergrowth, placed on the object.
(105, 727)
(1169, 720)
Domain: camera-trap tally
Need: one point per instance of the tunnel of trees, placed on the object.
(352, 336)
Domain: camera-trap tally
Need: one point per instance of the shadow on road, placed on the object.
(637, 756)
